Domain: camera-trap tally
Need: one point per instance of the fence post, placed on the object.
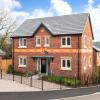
(31, 81)
(87, 80)
(96, 80)
(75, 81)
(21, 78)
(13, 75)
(60, 84)
(42, 83)
(1, 74)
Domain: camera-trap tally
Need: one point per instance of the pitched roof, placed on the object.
(58, 25)
(96, 46)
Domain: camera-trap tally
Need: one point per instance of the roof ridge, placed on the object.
(57, 16)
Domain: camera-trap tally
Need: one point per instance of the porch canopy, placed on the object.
(48, 56)
(44, 56)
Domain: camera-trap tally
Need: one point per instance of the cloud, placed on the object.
(57, 7)
(95, 18)
(9, 4)
(60, 7)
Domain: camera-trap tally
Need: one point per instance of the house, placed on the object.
(60, 45)
(96, 54)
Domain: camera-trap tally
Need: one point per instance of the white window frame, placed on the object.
(66, 67)
(64, 46)
(36, 39)
(45, 44)
(21, 43)
(22, 57)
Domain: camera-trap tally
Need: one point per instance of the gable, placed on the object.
(88, 28)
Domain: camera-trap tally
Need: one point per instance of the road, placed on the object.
(69, 94)
(95, 96)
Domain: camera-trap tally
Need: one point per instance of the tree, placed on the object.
(8, 25)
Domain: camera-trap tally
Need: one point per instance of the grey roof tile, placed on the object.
(66, 24)
(96, 46)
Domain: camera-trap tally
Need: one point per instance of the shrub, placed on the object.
(10, 69)
(62, 80)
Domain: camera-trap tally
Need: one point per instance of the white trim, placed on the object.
(36, 43)
(22, 65)
(21, 45)
(66, 46)
(47, 45)
(66, 67)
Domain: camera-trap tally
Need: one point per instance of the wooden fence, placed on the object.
(5, 63)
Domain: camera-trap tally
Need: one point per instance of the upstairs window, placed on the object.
(65, 64)
(22, 61)
(38, 41)
(66, 42)
(47, 41)
(22, 43)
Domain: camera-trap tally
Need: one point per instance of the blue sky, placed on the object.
(23, 9)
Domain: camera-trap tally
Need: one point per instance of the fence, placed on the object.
(43, 84)
(5, 63)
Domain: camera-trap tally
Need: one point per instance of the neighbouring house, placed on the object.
(96, 54)
(60, 45)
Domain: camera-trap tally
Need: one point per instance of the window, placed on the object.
(38, 41)
(22, 43)
(66, 42)
(65, 64)
(47, 41)
(22, 61)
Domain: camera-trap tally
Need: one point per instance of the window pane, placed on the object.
(68, 41)
(63, 41)
(68, 63)
(38, 41)
(63, 63)
(20, 61)
(24, 42)
(47, 41)
(24, 61)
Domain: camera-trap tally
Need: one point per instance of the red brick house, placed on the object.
(60, 45)
(96, 55)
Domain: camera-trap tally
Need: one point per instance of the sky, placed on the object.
(25, 9)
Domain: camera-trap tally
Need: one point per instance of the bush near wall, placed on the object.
(62, 80)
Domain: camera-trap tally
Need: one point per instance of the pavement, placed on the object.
(68, 94)
(10, 86)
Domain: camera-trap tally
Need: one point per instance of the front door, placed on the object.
(43, 65)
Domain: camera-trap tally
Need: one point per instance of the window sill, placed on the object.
(22, 47)
(65, 46)
(38, 46)
(66, 69)
(46, 45)
(23, 66)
